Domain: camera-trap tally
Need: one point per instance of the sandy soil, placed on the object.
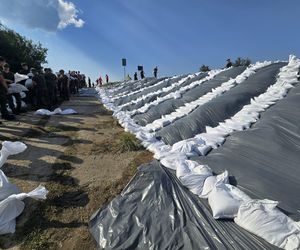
(78, 159)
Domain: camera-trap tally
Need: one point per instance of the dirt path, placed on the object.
(79, 159)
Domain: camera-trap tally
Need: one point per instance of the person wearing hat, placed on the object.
(3, 93)
(229, 63)
(9, 78)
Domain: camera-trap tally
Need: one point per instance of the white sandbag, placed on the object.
(40, 193)
(16, 88)
(18, 77)
(225, 201)
(6, 188)
(56, 111)
(188, 147)
(29, 83)
(10, 148)
(170, 160)
(10, 209)
(23, 95)
(192, 175)
(68, 112)
(202, 149)
(43, 112)
(262, 218)
(211, 181)
(13, 206)
(185, 167)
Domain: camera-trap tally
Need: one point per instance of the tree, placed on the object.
(242, 62)
(204, 68)
(17, 49)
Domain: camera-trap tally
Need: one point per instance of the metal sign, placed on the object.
(124, 62)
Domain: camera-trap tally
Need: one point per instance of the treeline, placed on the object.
(238, 62)
(17, 49)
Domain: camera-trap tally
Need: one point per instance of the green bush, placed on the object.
(242, 62)
(128, 142)
(204, 68)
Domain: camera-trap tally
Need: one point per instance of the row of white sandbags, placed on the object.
(168, 158)
(177, 94)
(147, 138)
(111, 90)
(243, 119)
(141, 89)
(189, 107)
(198, 144)
(107, 101)
(108, 97)
(162, 90)
(260, 217)
(11, 200)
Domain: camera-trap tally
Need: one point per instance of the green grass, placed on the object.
(128, 142)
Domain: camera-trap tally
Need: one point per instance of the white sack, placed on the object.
(10, 148)
(211, 181)
(13, 206)
(192, 175)
(263, 219)
(68, 112)
(170, 160)
(56, 111)
(23, 95)
(16, 88)
(28, 83)
(6, 188)
(225, 200)
(19, 77)
(10, 209)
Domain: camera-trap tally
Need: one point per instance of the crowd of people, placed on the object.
(45, 88)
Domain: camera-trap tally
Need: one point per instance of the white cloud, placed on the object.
(67, 13)
(48, 15)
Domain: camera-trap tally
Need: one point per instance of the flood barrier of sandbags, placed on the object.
(276, 80)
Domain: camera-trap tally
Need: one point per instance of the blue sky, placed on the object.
(178, 36)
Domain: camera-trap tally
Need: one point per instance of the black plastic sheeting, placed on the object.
(220, 108)
(152, 98)
(135, 85)
(155, 211)
(265, 160)
(126, 99)
(171, 105)
(152, 89)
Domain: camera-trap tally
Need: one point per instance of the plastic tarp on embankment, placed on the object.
(265, 160)
(221, 108)
(170, 105)
(125, 99)
(155, 211)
